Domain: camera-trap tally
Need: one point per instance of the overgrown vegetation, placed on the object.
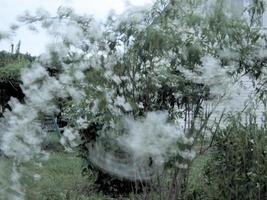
(11, 65)
(237, 168)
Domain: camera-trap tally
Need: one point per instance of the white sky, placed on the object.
(35, 43)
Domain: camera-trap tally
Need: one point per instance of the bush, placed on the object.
(238, 163)
(52, 143)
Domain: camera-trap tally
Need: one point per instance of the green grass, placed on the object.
(196, 182)
(57, 178)
(60, 179)
(60, 176)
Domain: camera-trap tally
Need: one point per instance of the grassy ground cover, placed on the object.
(58, 178)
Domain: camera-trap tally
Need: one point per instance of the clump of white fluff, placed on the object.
(21, 134)
(211, 74)
(153, 137)
(146, 145)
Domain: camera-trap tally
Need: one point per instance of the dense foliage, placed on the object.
(237, 167)
(11, 65)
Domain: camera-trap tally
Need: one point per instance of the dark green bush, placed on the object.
(51, 143)
(237, 168)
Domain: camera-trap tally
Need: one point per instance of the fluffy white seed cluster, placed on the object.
(147, 144)
(153, 137)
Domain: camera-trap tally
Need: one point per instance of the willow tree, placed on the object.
(175, 57)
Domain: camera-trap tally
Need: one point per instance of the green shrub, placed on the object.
(12, 64)
(237, 168)
(52, 143)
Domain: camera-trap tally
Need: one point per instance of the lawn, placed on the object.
(58, 178)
